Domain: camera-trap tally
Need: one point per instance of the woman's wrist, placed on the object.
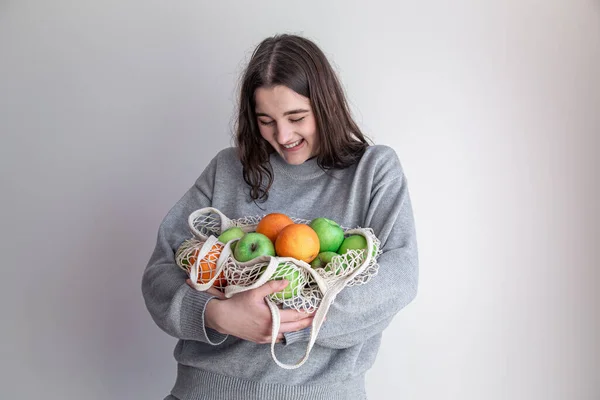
(211, 315)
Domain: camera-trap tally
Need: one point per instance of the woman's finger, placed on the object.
(270, 287)
(291, 315)
(296, 325)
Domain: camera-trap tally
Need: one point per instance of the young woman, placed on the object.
(298, 152)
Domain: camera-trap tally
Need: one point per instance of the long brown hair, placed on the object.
(297, 63)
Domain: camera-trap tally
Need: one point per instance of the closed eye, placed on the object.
(266, 123)
(269, 123)
(297, 120)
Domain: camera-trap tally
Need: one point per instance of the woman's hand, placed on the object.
(247, 316)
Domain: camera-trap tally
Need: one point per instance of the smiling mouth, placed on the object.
(292, 145)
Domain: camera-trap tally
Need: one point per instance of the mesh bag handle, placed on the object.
(195, 269)
(208, 221)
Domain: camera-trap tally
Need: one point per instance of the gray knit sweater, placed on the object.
(372, 193)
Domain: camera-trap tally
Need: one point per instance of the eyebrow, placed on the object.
(297, 111)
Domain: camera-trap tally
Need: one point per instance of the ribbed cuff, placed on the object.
(193, 327)
(302, 335)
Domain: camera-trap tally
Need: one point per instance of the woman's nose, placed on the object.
(284, 133)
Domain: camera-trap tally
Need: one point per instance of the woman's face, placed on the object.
(286, 121)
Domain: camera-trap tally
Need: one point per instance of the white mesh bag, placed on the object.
(211, 263)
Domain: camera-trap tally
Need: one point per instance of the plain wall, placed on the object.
(109, 110)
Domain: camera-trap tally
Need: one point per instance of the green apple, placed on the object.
(330, 234)
(292, 275)
(323, 259)
(232, 233)
(353, 242)
(253, 245)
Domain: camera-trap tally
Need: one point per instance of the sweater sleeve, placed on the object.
(174, 306)
(362, 311)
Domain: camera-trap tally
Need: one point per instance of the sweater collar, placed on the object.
(307, 170)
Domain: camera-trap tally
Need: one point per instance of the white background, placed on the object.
(109, 110)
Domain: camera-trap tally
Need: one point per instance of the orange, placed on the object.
(299, 241)
(271, 224)
(208, 266)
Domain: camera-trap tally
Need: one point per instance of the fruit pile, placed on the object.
(321, 243)
(318, 258)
